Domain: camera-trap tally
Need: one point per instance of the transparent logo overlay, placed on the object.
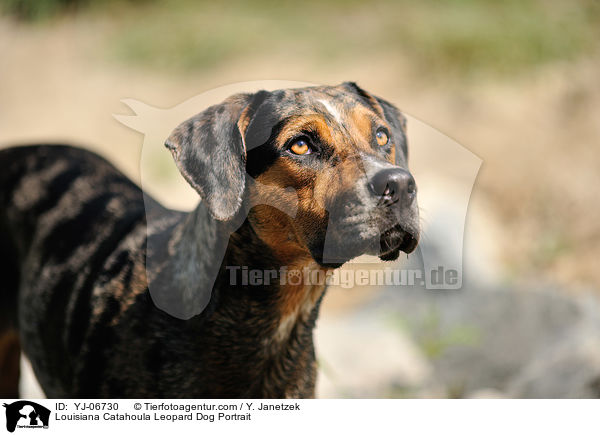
(185, 260)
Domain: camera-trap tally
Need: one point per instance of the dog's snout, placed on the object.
(394, 185)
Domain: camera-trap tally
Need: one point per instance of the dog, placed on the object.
(75, 238)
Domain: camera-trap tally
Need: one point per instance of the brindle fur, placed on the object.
(74, 233)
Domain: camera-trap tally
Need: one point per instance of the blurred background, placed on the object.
(515, 82)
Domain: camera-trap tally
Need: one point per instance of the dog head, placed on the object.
(341, 149)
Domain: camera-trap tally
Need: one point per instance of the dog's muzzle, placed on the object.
(395, 188)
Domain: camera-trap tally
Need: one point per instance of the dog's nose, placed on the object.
(394, 185)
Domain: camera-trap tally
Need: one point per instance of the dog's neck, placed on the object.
(285, 274)
(265, 307)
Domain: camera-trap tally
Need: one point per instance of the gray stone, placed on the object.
(363, 357)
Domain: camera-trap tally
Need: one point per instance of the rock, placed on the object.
(363, 357)
(569, 369)
(524, 343)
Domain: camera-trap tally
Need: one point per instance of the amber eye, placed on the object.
(300, 147)
(382, 137)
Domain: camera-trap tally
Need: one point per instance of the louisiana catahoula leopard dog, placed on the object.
(75, 232)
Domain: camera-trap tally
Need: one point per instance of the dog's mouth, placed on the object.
(386, 245)
(394, 240)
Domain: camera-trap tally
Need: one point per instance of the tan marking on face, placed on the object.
(277, 231)
(275, 227)
(361, 120)
(364, 124)
(392, 158)
(311, 122)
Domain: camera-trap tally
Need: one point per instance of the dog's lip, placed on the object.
(395, 240)
(409, 243)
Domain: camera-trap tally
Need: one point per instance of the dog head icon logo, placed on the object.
(26, 414)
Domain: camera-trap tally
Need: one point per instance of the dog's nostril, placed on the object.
(411, 189)
(393, 185)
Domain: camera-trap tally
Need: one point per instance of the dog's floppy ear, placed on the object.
(210, 152)
(392, 115)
